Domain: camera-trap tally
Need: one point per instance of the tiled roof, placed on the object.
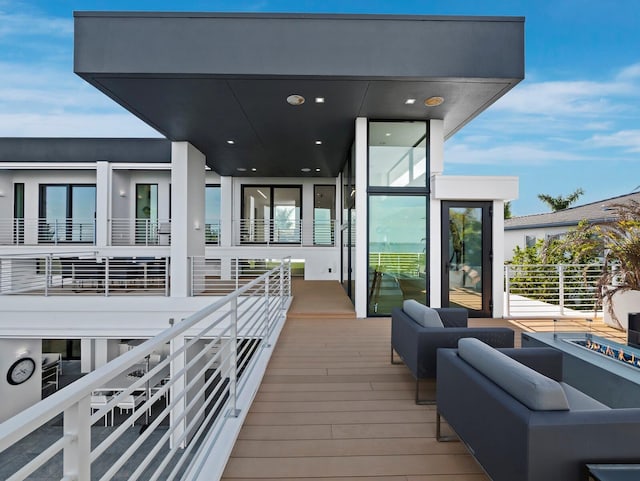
(594, 211)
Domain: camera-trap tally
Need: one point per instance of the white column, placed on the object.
(226, 211)
(103, 202)
(361, 264)
(436, 166)
(86, 355)
(435, 253)
(100, 353)
(497, 267)
(436, 146)
(187, 207)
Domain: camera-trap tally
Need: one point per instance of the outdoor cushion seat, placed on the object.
(417, 345)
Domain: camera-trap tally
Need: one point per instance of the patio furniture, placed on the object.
(417, 344)
(130, 402)
(520, 421)
(98, 401)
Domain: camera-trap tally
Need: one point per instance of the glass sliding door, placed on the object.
(256, 214)
(324, 214)
(271, 214)
(466, 256)
(286, 214)
(67, 213)
(212, 214)
(397, 251)
(18, 213)
(146, 222)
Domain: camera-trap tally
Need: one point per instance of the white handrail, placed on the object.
(552, 290)
(236, 327)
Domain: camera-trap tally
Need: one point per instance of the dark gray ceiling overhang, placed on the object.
(210, 78)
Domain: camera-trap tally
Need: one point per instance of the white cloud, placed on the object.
(628, 140)
(21, 24)
(73, 125)
(508, 154)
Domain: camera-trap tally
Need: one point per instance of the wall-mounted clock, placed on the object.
(21, 370)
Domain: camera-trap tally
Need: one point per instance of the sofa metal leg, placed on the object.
(394, 361)
(439, 437)
(422, 402)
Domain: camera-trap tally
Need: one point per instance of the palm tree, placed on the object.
(560, 202)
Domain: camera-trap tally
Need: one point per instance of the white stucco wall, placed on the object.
(17, 398)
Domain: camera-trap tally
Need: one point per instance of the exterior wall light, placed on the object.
(433, 101)
(295, 99)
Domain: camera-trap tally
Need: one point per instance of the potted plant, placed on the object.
(619, 240)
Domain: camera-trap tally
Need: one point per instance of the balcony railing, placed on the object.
(568, 290)
(143, 232)
(56, 275)
(47, 231)
(190, 388)
(289, 232)
(220, 276)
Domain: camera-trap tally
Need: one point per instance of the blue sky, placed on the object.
(574, 122)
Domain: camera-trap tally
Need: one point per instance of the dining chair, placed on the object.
(99, 401)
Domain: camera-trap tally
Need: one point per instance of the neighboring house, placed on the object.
(526, 230)
(319, 137)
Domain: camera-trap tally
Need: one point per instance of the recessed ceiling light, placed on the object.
(410, 101)
(241, 169)
(318, 142)
(231, 142)
(295, 99)
(254, 169)
(433, 101)
(318, 170)
(305, 169)
(319, 100)
(388, 134)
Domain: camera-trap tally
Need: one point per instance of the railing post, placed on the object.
(47, 274)
(507, 288)
(233, 359)
(266, 312)
(166, 276)
(561, 287)
(106, 277)
(146, 231)
(282, 286)
(77, 427)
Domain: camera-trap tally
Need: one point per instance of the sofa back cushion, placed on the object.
(528, 386)
(423, 315)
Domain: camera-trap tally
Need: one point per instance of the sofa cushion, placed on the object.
(423, 315)
(528, 386)
(579, 401)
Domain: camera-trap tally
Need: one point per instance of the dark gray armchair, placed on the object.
(417, 345)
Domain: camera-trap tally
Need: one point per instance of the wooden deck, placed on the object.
(332, 406)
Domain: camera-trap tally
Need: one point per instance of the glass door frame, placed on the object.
(271, 234)
(487, 253)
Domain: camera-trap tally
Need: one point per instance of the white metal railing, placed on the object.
(212, 233)
(221, 275)
(69, 274)
(290, 232)
(33, 231)
(568, 290)
(194, 380)
(145, 232)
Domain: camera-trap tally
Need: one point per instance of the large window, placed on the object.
(146, 213)
(67, 213)
(398, 154)
(398, 197)
(397, 251)
(324, 214)
(18, 213)
(271, 214)
(212, 214)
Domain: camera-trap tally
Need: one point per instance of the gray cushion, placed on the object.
(423, 315)
(531, 388)
(579, 401)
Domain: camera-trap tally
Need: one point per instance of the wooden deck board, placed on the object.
(332, 406)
